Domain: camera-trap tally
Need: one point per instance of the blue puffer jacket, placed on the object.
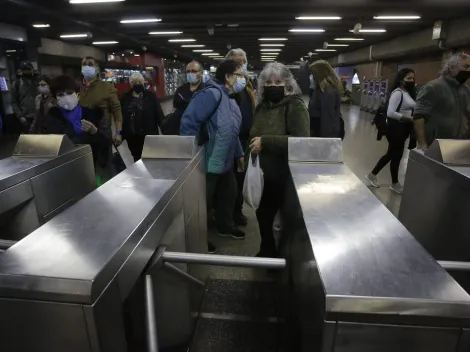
(224, 126)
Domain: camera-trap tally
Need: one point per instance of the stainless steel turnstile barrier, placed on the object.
(357, 279)
(45, 175)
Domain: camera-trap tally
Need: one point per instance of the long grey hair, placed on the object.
(451, 66)
(277, 69)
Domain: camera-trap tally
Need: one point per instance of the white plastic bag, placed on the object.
(254, 184)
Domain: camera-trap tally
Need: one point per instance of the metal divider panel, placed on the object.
(315, 150)
(450, 151)
(169, 147)
(42, 146)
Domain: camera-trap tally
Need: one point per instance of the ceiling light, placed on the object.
(311, 30)
(211, 54)
(233, 25)
(218, 58)
(92, 1)
(45, 25)
(269, 53)
(370, 31)
(105, 43)
(193, 46)
(349, 39)
(272, 39)
(203, 51)
(142, 20)
(318, 18)
(321, 50)
(338, 45)
(271, 45)
(165, 33)
(10, 51)
(137, 55)
(397, 17)
(80, 35)
(271, 49)
(181, 40)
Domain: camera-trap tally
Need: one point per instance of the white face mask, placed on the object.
(68, 102)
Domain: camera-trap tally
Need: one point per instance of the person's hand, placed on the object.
(255, 145)
(87, 126)
(241, 164)
(422, 146)
(23, 121)
(117, 140)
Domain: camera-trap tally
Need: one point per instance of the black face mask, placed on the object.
(409, 86)
(274, 94)
(138, 88)
(462, 76)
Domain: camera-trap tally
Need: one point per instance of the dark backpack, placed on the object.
(380, 118)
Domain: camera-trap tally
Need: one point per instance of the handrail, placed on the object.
(455, 266)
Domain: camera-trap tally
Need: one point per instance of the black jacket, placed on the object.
(152, 115)
(100, 142)
(325, 113)
(181, 99)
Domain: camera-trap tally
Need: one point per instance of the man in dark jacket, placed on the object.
(183, 96)
(247, 102)
(23, 96)
(142, 115)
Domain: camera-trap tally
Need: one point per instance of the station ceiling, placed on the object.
(221, 24)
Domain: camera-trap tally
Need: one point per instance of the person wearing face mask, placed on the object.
(400, 107)
(281, 113)
(95, 93)
(82, 125)
(23, 96)
(247, 101)
(325, 105)
(183, 96)
(214, 113)
(142, 115)
(44, 101)
(443, 105)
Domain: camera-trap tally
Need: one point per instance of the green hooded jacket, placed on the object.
(275, 123)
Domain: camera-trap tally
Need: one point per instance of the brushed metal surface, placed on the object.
(169, 147)
(315, 149)
(450, 151)
(14, 196)
(364, 255)
(42, 145)
(389, 338)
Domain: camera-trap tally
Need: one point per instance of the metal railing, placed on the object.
(455, 266)
(162, 259)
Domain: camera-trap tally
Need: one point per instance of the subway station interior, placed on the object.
(125, 264)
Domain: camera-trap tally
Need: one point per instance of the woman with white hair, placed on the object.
(142, 115)
(281, 113)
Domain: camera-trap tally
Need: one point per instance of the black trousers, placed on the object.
(136, 145)
(240, 178)
(221, 195)
(271, 201)
(397, 133)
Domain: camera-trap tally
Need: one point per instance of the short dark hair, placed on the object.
(227, 67)
(90, 58)
(62, 84)
(45, 79)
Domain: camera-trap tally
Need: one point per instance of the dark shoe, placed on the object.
(235, 234)
(240, 219)
(211, 249)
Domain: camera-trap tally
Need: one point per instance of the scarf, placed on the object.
(74, 117)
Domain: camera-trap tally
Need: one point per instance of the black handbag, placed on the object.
(203, 133)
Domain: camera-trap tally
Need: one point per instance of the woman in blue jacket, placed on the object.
(213, 113)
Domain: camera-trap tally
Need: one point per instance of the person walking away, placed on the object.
(44, 101)
(82, 125)
(142, 115)
(183, 96)
(312, 86)
(281, 113)
(325, 105)
(247, 102)
(401, 104)
(213, 113)
(443, 105)
(95, 93)
(23, 96)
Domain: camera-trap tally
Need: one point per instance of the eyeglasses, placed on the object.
(192, 71)
(63, 94)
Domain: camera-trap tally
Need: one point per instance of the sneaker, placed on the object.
(397, 188)
(235, 234)
(211, 249)
(372, 180)
(240, 219)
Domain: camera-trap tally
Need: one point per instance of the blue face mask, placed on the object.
(88, 72)
(239, 85)
(192, 78)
